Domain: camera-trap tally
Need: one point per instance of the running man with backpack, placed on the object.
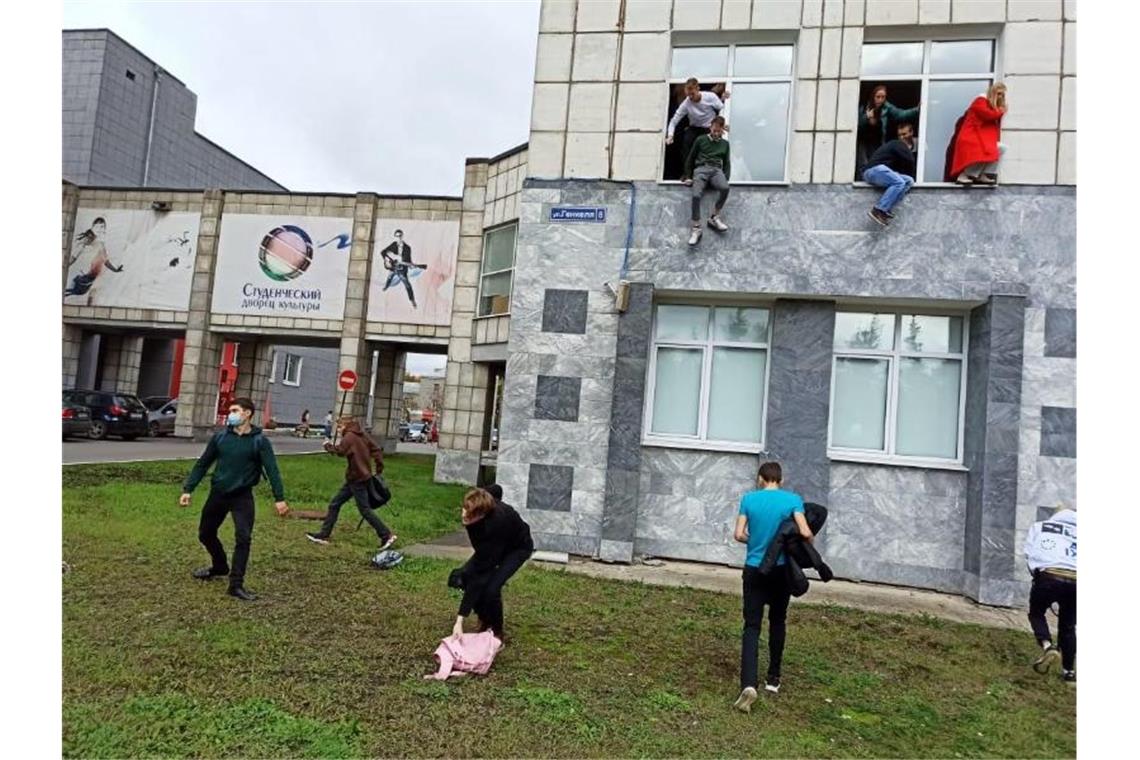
(240, 454)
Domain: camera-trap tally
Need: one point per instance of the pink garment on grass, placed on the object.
(468, 653)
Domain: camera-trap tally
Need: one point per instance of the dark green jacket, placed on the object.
(240, 461)
(889, 118)
(706, 150)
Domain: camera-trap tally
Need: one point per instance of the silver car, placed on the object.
(160, 421)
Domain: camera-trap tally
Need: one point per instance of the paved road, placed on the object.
(82, 450)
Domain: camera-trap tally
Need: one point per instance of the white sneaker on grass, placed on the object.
(744, 701)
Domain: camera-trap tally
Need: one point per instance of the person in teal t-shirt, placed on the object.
(761, 512)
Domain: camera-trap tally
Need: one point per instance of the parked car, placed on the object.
(415, 433)
(118, 414)
(154, 403)
(160, 421)
(76, 420)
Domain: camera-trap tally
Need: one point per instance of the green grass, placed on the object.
(329, 661)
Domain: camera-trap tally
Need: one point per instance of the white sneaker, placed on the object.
(391, 540)
(694, 235)
(744, 701)
(716, 223)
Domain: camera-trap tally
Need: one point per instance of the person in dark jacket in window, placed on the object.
(361, 452)
(878, 119)
(502, 544)
(892, 166)
(241, 454)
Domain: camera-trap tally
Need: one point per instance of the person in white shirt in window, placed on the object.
(700, 107)
(1051, 554)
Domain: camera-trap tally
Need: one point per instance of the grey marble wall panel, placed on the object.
(1058, 432)
(556, 398)
(799, 385)
(564, 311)
(453, 466)
(549, 487)
(1061, 332)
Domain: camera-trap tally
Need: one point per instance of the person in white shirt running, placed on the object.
(700, 107)
(1051, 554)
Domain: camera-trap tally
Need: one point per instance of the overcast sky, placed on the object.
(388, 97)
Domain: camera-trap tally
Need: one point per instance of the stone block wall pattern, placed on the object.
(1058, 432)
(1061, 333)
(550, 487)
(564, 311)
(556, 398)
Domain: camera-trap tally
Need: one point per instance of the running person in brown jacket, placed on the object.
(360, 451)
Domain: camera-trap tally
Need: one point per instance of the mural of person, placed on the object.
(93, 252)
(398, 260)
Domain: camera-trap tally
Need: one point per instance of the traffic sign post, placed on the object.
(347, 381)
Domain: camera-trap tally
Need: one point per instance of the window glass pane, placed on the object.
(738, 324)
(759, 122)
(859, 410)
(677, 390)
(937, 335)
(946, 102)
(699, 62)
(736, 394)
(892, 58)
(499, 249)
(763, 61)
(964, 57)
(495, 297)
(928, 407)
(863, 331)
(682, 323)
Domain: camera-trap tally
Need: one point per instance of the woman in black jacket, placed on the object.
(502, 544)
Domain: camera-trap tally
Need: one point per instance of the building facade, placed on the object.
(127, 122)
(918, 380)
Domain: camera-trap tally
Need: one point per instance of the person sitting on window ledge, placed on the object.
(709, 164)
(700, 108)
(977, 149)
(879, 118)
(891, 166)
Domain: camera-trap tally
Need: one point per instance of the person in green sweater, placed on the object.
(709, 164)
(241, 453)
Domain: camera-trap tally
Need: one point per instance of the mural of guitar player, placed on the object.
(398, 260)
(92, 251)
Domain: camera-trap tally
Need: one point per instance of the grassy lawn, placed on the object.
(328, 662)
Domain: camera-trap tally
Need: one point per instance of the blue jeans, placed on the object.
(897, 185)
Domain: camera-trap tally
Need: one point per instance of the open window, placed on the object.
(928, 84)
(758, 80)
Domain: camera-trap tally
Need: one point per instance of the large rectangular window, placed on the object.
(929, 85)
(897, 386)
(758, 80)
(497, 270)
(292, 370)
(708, 371)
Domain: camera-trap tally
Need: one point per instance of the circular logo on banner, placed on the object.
(285, 253)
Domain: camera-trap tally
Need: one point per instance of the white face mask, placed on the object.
(234, 419)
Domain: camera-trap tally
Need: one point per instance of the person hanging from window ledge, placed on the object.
(709, 163)
(977, 149)
(891, 166)
(700, 108)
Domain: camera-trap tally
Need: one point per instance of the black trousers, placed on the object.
(760, 590)
(1046, 590)
(359, 492)
(214, 511)
(688, 137)
(489, 608)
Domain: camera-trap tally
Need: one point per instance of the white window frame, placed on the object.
(483, 275)
(700, 440)
(273, 368)
(924, 78)
(729, 82)
(285, 377)
(894, 357)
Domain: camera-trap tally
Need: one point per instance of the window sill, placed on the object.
(726, 447)
(492, 316)
(922, 464)
(291, 385)
(926, 185)
(731, 183)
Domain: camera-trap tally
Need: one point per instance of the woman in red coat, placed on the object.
(976, 147)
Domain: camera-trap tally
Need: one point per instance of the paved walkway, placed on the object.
(872, 597)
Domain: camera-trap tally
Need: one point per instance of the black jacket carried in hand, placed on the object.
(798, 553)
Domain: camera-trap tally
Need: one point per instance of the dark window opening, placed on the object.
(130, 75)
(674, 158)
(901, 106)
